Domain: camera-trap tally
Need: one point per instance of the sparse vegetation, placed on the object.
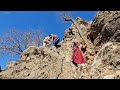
(15, 42)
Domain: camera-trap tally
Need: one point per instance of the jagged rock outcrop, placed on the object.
(101, 50)
(41, 62)
(46, 64)
(86, 45)
(107, 62)
(105, 27)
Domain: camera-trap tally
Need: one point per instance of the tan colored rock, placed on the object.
(32, 50)
(55, 63)
(105, 27)
(113, 76)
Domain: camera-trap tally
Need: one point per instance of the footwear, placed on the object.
(78, 65)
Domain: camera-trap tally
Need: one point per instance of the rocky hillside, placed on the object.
(101, 51)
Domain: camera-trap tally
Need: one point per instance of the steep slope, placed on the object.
(105, 36)
(41, 62)
(101, 52)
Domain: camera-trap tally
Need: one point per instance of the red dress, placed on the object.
(77, 56)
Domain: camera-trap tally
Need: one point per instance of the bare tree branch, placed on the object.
(15, 42)
(66, 17)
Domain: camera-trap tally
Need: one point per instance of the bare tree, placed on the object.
(62, 14)
(15, 42)
(33, 38)
(66, 16)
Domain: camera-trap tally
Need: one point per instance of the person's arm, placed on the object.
(52, 38)
(49, 41)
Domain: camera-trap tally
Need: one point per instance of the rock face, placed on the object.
(100, 47)
(107, 61)
(105, 27)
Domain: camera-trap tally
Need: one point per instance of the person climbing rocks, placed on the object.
(46, 41)
(55, 40)
(77, 57)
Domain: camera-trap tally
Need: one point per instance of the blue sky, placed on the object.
(46, 21)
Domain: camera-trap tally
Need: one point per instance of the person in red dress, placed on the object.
(77, 56)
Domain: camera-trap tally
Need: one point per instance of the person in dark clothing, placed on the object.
(55, 39)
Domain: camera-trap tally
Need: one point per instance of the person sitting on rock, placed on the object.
(46, 41)
(55, 39)
(77, 56)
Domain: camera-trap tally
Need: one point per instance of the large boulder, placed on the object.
(107, 61)
(105, 27)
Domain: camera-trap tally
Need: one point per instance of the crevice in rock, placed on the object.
(61, 69)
